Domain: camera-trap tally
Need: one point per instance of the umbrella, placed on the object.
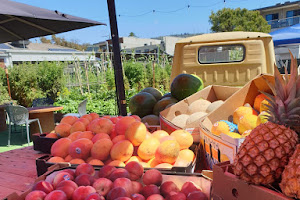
(20, 21)
(289, 35)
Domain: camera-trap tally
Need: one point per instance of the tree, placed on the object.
(131, 34)
(44, 40)
(238, 19)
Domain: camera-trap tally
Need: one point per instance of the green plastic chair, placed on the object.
(19, 115)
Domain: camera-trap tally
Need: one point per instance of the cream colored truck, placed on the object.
(227, 58)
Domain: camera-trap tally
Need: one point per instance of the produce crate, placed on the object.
(211, 93)
(42, 163)
(222, 148)
(42, 143)
(179, 178)
(227, 186)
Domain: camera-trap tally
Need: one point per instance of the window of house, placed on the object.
(271, 17)
(221, 54)
(292, 13)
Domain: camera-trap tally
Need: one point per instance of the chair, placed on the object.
(81, 110)
(42, 102)
(19, 115)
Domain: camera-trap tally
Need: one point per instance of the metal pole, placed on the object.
(117, 58)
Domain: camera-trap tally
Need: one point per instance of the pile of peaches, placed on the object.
(111, 183)
(116, 141)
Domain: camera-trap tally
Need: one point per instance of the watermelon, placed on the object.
(185, 85)
(162, 104)
(142, 104)
(155, 92)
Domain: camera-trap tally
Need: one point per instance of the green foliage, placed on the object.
(4, 97)
(228, 19)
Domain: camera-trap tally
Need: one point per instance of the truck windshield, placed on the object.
(221, 54)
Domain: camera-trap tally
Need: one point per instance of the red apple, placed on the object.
(84, 180)
(124, 183)
(152, 176)
(68, 187)
(94, 196)
(167, 187)
(43, 186)
(103, 186)
(115, 193)
(119, 173)
(196, 195)
(137, 197)
(148, 190)
(105, 171)
(57, 195)
(189, 187)
(82, 192)
(36, 195)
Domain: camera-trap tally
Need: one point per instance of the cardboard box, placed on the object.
(227, 186)
(203, 180)
(210, 93)
(222, 148)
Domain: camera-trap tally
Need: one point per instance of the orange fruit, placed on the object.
(60, 147)
(101, 149)
(160, 134)
(78, 126)
(117, 163)
(73, 136)
(167, 152)
(51, 135)
(123, 124)
(258, 99)
(184, 138)
(136, 133)
(134, 158)
(69, 120)
(86, 134)
(122, 150)
(186, 154)
(63, 129)
(56, 159)
(147, 149)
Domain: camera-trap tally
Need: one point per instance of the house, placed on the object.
(166, 44)
(281, 15)
(26, 51)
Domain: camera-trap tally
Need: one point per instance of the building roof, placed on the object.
(37, 47)
(278, 5)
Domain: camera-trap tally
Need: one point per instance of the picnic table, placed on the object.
(17, 170)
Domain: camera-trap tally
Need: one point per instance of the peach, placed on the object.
(100, 136)
(155, 197)
(114, 119)
(105, 171)
(61, 176)
(84, 180)
(165, 138)
(145, 165)
(77, 126)
(101, 149)
(189, 187)
(100, 125)
(86, 134)
(118, 138)
(36, 195)
(134, 158)
(153, 162)
(152, 176)
(94, 115)
(136, 117)
(83, 192)
(123, 124)
(124, 183)
(122, 150)
(57, 195)
(94, 196)
(85, 121)
(167, 187)
(117, 163)
(70, 171)
(103, 186)
(68, 158)
(176, 196)
(73, 136)
(85, 168)
(147, 149)
(167, 152)
(63, 129)
(115, 193)
(80, 148)
(136, 187)
(87, 116)
(69, 120)
(196, 195)
(95, 162)
(43, 186)
(76, 161)
(160, 134)
(148, 135)
(68, 187)
(164, 166)
(56, 159)
(51, 135)
(148, 190)
(119, 173)
(135, 170)
(123, 198)
(137, 197)
(136, 133)
(60, 147)
(113, 133)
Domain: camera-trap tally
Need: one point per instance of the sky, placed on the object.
(146, 19)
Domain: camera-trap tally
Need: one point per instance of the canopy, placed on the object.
(20, 21)
(289, 35)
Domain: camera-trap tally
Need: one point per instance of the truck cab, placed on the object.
(226, 58)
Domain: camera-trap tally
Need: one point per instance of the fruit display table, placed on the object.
(45, 115)
(17, 170)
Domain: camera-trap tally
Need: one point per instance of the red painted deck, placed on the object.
(17, 170)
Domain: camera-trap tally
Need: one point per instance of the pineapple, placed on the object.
(290, 182)
(265, 152)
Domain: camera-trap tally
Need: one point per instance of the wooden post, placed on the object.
(153, 74)
(87, 76)
(117, 58)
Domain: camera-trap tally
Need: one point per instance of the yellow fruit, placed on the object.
(263, 105)
(220, 127)
(233, 135)
(241, 111)
(246, 133)
(257, 101)
(262, 118)
(147, 149)
(167, 152)
(247, 122)
(184, 138)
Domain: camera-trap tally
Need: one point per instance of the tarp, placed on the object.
(289, 35)
(20, 21)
